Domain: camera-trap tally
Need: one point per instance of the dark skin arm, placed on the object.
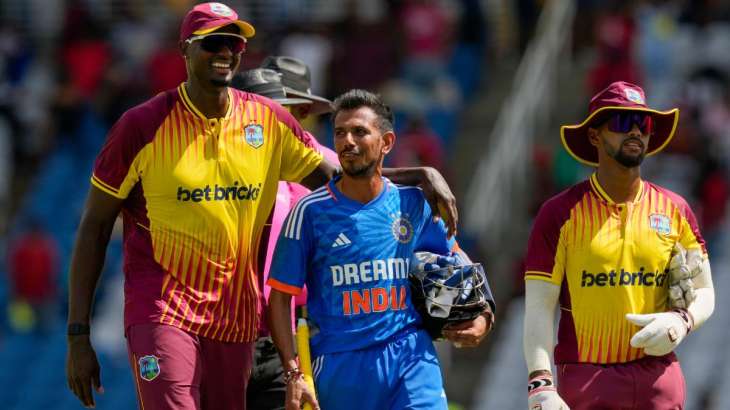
(279, 314)
(87, 260)
(435, 189)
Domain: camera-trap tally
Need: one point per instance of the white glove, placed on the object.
(684, 265)
(661, 332)
(543, 395)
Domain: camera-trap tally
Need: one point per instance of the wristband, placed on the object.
(687, 318)
(292, 375)
(540, 383)
(78, 329)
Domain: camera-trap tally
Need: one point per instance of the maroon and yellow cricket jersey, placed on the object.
(197, 193)
(609, 259)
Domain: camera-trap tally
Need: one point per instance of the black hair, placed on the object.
(356, 98)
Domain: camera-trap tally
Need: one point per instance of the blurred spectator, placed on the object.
(6, 170)
(165, 67)
(427, 33)
(418, 145)
(85, 53)
(358, 45)
(33, 268)
(714, 190)
(315, 48)
(615, 33)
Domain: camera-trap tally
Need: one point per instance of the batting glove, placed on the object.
(684, 265)
(662, 332)
(542, 394)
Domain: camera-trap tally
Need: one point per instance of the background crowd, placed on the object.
(69, 68)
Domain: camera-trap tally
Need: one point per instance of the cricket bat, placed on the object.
(305, 359)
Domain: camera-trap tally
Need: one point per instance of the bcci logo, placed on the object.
(221, 9)
(254, 134)
(660, 223)
(402, 230)
(149, 368)
(634, 96)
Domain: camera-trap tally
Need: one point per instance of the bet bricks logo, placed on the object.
(234, 192)
(624, 278)
(149, 368)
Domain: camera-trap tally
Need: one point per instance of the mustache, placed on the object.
(349, 151)
(633, 139)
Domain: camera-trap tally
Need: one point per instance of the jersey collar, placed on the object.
(340, 197)
(601, 193)
(188, 103)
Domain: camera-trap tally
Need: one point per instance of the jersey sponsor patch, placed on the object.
(254, 134)
(149, 367)
(660, 223)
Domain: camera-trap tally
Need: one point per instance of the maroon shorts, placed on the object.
(174, 369)
(650, 383)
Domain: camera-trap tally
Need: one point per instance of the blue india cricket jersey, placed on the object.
(354, 259)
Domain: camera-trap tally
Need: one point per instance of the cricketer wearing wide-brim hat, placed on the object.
(625, 261)
(194, 172)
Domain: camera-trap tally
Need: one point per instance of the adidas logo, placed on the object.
(341, 240)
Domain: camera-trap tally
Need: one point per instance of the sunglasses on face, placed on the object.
(623, 122)
(214, 43)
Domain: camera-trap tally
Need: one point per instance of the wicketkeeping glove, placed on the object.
(542, 394)
(683, 267)
(662, 332)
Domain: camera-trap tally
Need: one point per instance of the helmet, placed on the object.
(447, 289)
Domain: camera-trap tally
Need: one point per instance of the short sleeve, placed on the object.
(299, 149)
(433, 237)
(689, 234)
(116, 169)
(546, 250)
(288, 271)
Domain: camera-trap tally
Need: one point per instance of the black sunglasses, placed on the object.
(214, 43)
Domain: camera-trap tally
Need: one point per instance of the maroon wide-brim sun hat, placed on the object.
(617, 96)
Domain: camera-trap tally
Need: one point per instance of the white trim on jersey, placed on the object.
(317, 366)
(296, 216)
(405, 187)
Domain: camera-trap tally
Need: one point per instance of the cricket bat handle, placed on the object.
(305, 359)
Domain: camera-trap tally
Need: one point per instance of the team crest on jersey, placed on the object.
(254, 134)
(149, 367)
(660, 223)
(221, 9)
(402, 230)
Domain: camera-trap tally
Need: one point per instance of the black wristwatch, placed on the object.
(78, 329)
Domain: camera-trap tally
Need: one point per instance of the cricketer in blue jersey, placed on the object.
(351, 244)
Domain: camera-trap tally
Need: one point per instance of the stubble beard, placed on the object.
(361, 171)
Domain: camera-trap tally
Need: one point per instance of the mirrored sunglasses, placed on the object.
(623, 122)
(214, 43)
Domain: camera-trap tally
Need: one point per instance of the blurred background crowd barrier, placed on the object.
(480, 89)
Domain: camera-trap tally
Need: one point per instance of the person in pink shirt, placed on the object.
(286, 80)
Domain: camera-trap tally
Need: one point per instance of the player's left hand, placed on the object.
(298, 393)
(661, 333)
(469, 333)
(439, 196)
(683, 267)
